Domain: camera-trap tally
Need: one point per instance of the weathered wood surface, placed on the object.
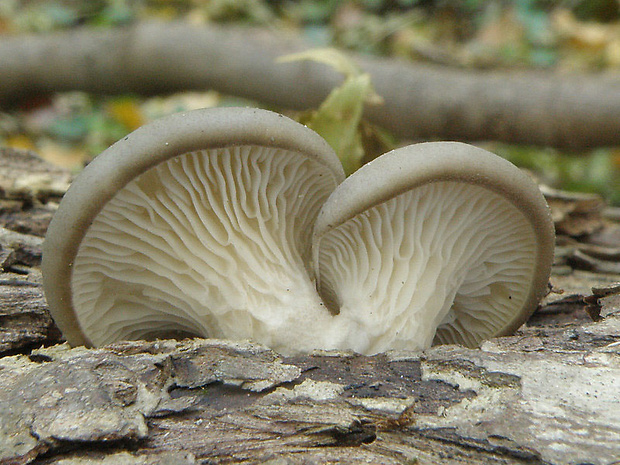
(549, 394)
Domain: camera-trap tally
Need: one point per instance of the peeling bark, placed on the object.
(550, 394)
(516, 400)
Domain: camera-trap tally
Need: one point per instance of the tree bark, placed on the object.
(547, 395)
(420, 101)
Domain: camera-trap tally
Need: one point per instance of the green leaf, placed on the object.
(339, 117)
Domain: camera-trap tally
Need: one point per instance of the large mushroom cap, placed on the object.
(197, 223)
(439, 242)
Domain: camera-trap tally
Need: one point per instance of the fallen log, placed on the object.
(420, 101)
(546, 395)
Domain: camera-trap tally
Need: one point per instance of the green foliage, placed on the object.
(311, 11)
(598, 171)
(597, 10)
(113, 12)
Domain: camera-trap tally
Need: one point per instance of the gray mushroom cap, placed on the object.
(148, 239)
(438, 241)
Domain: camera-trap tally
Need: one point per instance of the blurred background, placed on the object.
(560, 36)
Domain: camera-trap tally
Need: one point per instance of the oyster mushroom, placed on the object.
(196, 224)
(435, 242)
(238, 223)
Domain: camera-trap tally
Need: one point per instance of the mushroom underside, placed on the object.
(170, 254)
(212, 243)
(448, 261)
(239, 224)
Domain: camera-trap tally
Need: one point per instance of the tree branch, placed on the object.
(421, 101)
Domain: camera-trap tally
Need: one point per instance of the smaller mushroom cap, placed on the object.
(198, 223)
(438, 241)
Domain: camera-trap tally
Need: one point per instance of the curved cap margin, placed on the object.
(144, 148)
(408, 167)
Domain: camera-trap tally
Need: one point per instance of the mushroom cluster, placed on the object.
(239, 223)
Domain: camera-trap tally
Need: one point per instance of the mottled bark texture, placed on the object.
(550, 394)
(420, 101)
